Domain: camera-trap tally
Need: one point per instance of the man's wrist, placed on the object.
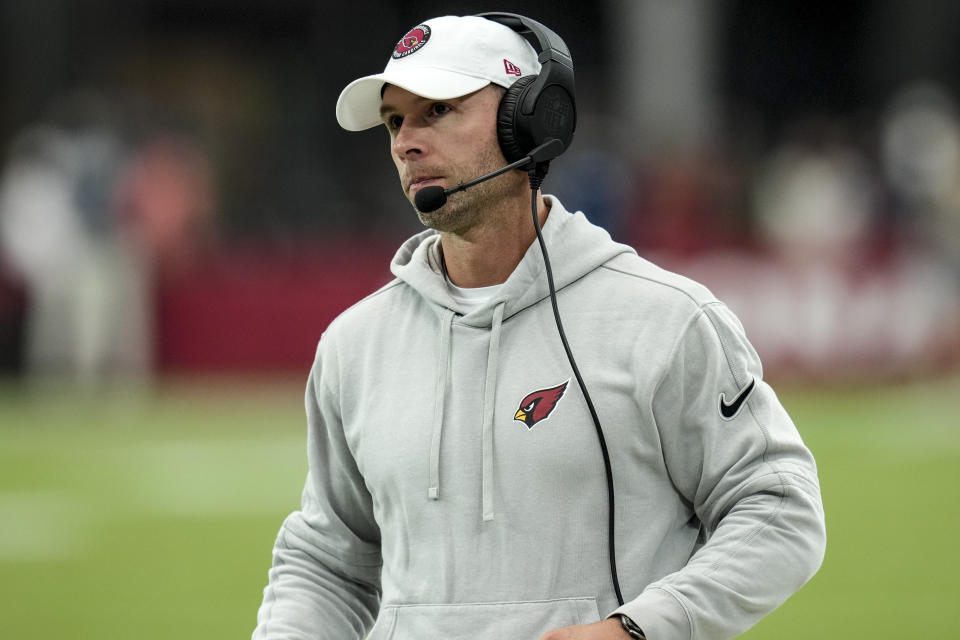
(633, 630)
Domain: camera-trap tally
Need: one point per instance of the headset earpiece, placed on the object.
(538, 107)
(513, 143)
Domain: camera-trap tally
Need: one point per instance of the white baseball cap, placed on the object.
(440, 59)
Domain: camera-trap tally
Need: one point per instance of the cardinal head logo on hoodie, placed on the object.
(539, 405)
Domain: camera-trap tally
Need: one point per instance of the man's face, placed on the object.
(444, 143)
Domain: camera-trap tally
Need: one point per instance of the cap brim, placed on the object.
(358, 106)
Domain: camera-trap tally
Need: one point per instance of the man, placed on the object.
(455, 486)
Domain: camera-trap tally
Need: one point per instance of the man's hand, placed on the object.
(609, 629)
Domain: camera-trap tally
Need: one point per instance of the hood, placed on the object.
(575, 246)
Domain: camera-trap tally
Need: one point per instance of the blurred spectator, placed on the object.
(84, 215)
(815, 199)
(593, 178)
(686, 202)
(921, 159)
(13, 302)
(593, 181)
(165, 201)
(820, 300)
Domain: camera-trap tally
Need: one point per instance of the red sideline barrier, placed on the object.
(255, 311)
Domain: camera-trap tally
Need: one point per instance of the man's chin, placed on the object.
(434, 219)
(449, 218)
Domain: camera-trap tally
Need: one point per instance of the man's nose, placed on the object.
(409, 141)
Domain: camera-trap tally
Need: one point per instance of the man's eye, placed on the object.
(439, 108)
(394, 123)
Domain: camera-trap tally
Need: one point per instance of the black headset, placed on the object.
(535, 109)
(538, 107)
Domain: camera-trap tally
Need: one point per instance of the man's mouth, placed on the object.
(418, 183)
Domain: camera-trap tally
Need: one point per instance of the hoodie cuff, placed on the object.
(659, 613)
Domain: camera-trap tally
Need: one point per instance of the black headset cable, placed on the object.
(537, 173)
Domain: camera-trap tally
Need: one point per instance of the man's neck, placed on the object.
(488, 253)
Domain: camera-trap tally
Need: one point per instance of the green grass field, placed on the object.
(151, 514)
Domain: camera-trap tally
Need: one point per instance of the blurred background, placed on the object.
(181, 216)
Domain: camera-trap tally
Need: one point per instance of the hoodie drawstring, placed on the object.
(446, 325)
(489, 398)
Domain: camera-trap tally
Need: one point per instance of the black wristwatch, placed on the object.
(631, 628)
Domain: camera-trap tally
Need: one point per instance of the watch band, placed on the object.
(631, 627)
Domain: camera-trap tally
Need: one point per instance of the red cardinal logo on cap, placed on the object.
(412, 40)
(539, 404)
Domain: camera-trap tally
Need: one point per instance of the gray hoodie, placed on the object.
(456, 486)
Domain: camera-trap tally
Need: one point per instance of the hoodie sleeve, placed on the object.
(325, 580)
(750, 478)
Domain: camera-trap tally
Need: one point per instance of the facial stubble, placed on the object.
(465, 209)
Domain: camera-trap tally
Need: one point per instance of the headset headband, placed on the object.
(552, 53)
